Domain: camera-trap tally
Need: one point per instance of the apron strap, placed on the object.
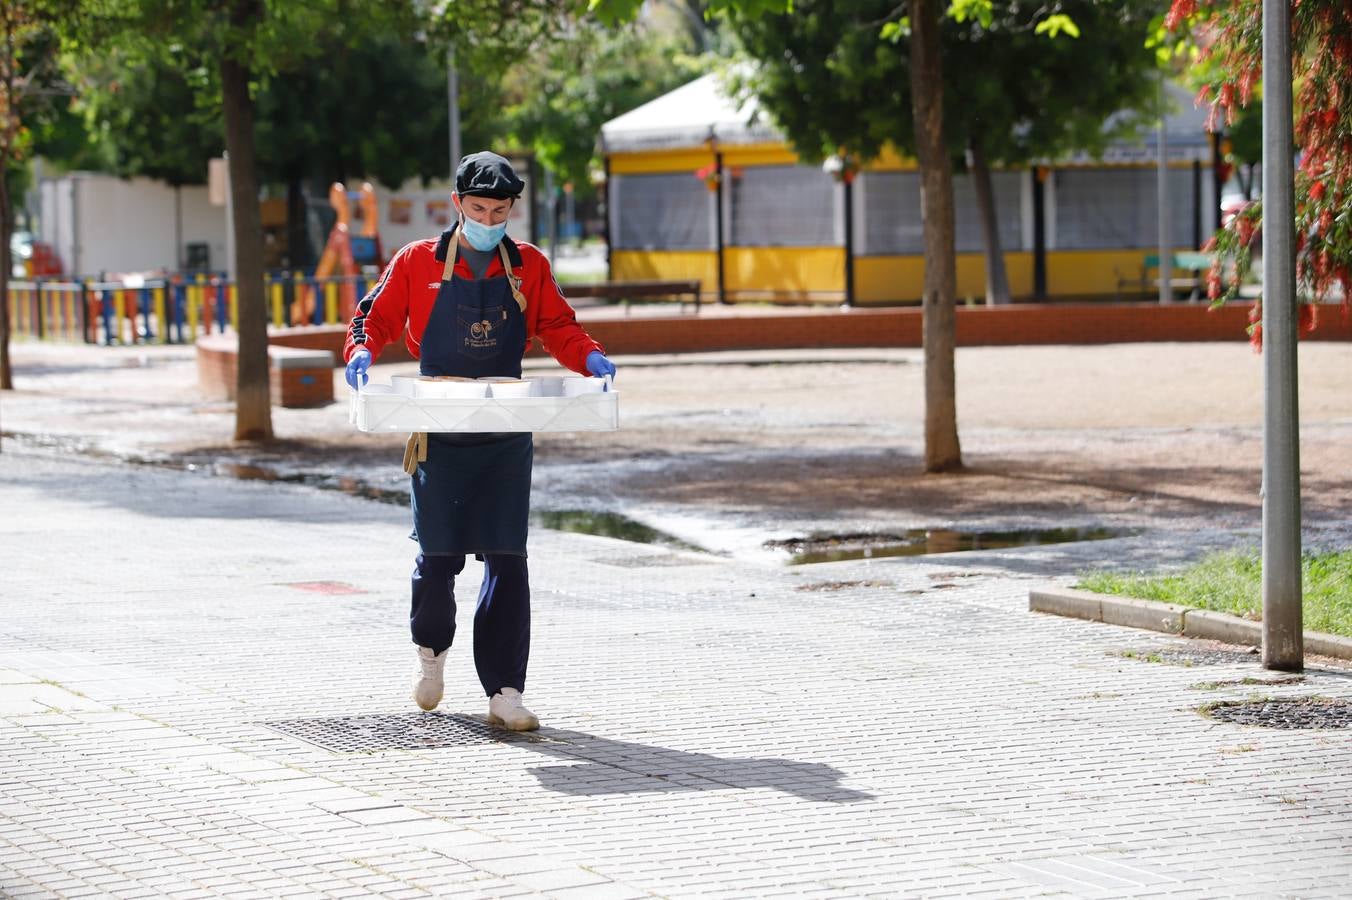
(415, 451)
(512, 278)
(451, 254)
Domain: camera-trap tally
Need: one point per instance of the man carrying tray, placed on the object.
(471, 301)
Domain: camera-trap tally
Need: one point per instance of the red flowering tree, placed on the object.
(1230, 38)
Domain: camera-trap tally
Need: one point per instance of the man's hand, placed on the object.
(357, 366)
(598, 365)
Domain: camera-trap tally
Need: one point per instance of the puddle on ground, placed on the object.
(345, 484)
(815, 548)
(608, 524)
(580, 521)
(820, 548)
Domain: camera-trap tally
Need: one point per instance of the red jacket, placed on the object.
(408, 287)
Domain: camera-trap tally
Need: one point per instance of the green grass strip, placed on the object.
(1232, 583)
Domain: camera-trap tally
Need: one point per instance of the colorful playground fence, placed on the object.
(175, 310)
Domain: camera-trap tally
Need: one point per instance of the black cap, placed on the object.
(485, 174)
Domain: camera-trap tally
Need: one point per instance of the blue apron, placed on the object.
(472, 494)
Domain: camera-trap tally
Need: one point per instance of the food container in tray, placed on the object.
(545, 403)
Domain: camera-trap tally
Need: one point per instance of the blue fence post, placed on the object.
(176, 301)
(317, 292)
(86, 328)
(106, 313)
(37, 301)
(222, 303)
(145, 314)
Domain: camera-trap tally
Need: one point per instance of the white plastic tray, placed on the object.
(384, 407)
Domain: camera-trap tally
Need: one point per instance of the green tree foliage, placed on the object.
(831, 84)
(156, 116)
(343, 114)
(559, 100)
(377, 109)
(236, 44)
(614, 12)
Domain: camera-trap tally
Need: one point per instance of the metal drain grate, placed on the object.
(392, 731)
(1183, 657)
(1296, 712)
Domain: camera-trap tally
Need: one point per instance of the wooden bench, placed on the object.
(1196, 264)
(631, 290)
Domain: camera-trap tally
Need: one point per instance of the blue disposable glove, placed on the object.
(357, 366)
(598, 365)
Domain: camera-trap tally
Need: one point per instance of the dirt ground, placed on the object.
(735, 449)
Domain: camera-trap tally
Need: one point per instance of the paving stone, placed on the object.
(712, 730)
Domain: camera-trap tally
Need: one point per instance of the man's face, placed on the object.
(484, 210)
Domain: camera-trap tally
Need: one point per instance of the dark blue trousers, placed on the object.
(501, 619)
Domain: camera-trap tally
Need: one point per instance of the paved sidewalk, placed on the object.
(712, 728)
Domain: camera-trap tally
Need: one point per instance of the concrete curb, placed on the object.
(1171, 618)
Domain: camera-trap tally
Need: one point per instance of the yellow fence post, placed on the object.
(330, 303)
(161, 316)
(234, 307)
(191, 291)
(275, 292)
(50, 318)
(118, 309)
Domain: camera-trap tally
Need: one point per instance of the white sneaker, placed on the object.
(427, 681)
(505, 709)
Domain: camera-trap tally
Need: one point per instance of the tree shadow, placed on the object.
(601, 766)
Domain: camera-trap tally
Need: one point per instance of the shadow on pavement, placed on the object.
(604, 766)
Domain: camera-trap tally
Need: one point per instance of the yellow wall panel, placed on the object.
(1019, 271)
(879, 279)
(759, 155)
(1073, 272)
(660, 161)
(667, 265)
(890, 160)
(972, 275)
(790, 271)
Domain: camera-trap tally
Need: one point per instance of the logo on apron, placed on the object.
(481, 334)
(480, 337)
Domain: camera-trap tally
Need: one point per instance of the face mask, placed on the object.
(480, 236)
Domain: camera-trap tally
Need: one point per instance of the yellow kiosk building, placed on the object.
(700, 187)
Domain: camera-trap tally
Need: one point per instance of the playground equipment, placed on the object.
(344, 255)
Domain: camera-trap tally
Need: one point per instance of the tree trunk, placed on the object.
(997, 282)
(942, 452)
(253, 407)
(6, 267)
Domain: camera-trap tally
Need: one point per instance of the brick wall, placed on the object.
(976, 326)
(297, 388)
(331, 338)
(216, 366)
